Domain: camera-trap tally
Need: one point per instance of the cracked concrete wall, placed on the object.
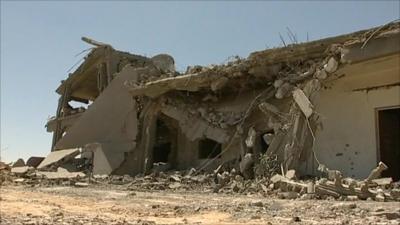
(348, 140)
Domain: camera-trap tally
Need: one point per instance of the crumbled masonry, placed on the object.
(271, 123)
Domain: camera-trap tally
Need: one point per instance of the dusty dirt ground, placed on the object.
(108, 205)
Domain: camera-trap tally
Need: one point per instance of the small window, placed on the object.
(209, 149)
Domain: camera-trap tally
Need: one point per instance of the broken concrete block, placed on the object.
(303, 102)
(352, 198)
(288, 195)
(175, 185)
(278, 83)
(81, 184)
(34, 161)
(175, 178)
(331, 66)
(21, 170)
(311, 87)
(164, 62)
(60, 174)
(59, 156)
(291, 174)
(4, 166)
(277, 178)
(19, 180)
(395, 193)
(310, 188)
(383, 181)
(246, 165)
(251, 137)
(376, 173)
(18, 163)
(283, 91)
(219, 83)
(268, 108)
(321, 74)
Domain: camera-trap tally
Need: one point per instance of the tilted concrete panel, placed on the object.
(110, 120)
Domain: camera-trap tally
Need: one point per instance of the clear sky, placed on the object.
(40, 41)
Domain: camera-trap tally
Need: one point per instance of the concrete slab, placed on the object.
(303, 102)
(18, 163)
(60, 174)
(59, 155)
(106, 157)
(21, 169)
(34, 161)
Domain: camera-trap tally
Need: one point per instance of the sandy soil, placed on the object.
(107, 205)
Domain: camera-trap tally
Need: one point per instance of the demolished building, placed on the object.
(332, 103)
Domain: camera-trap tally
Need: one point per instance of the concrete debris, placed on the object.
(331, 66)
(221, 181)
(321, 74)
(383, 181)
(219, 83)
(335, 186)
(164, 62)
(59, 156)
(22, 170)
(19, 180)
(34, 161)
(246, 166)
(251, 138)
(291, 174)
(18, 163)
(81, 184)
(284, 91)
(376, 173)
(247, 127)
(303, 102)
(61, 173)
(4, 166)
(164, 119)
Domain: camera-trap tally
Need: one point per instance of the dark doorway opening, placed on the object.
(389, 141)
(164, 142)
(209, 149)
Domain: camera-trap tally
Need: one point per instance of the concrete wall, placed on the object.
(110, 121)
(348, 140)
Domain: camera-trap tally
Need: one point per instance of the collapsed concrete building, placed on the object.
(332, 103)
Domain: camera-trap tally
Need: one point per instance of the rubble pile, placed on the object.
(334, 185)
(59, 168)
(267, 182)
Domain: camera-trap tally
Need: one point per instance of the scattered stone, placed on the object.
(288, 195)
(331, 66)
(255, 217)
(21, 170)
(258, 204)
(81, 184)
(291, 174)
(296, 219)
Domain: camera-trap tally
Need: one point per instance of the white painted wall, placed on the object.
(348, 140)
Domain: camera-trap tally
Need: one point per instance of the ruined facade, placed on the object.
(327, 103)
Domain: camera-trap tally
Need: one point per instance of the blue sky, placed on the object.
(40, 41)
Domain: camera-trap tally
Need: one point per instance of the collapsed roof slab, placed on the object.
(57, 156)
(265, 63)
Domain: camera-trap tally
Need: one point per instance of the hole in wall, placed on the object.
(209, 149)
